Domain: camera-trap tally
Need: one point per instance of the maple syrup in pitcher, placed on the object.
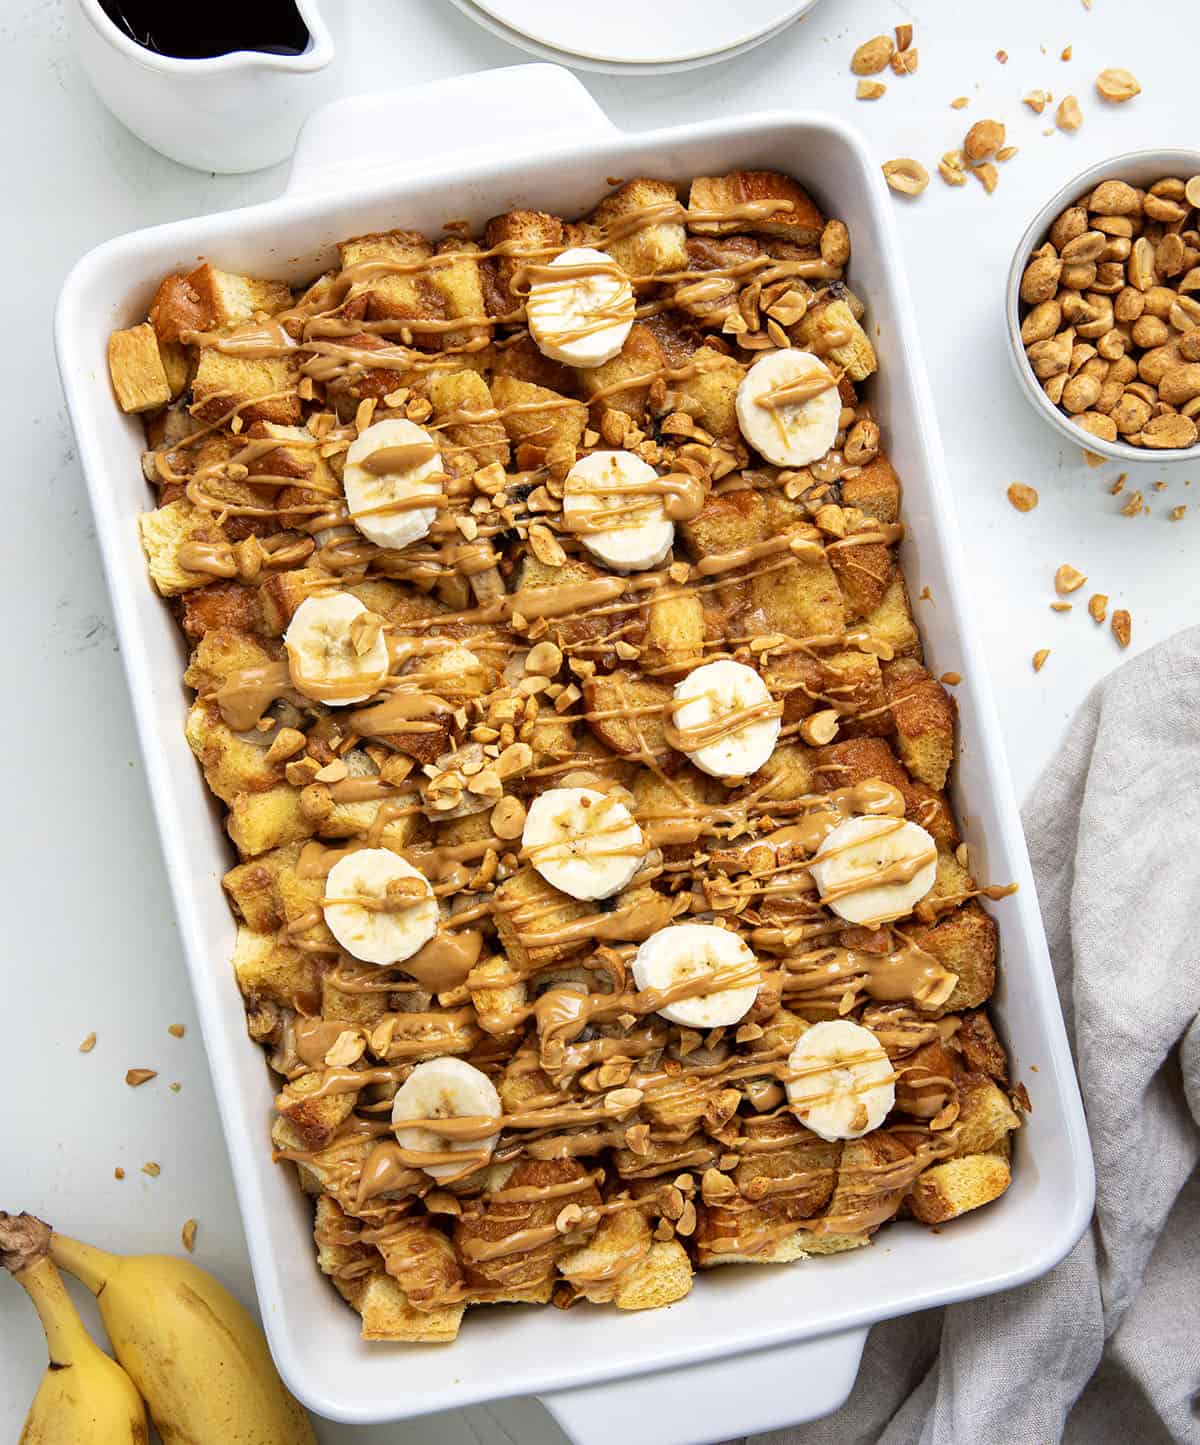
(216, 27)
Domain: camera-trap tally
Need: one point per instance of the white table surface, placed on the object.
(91, 940)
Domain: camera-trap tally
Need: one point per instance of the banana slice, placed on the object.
(844, 1085)
(724, 719)
(332, 656)
(583, 842)
(788, 407)
(684, 954)
(370, 915)
(446, 1089)
(390, 466)
(583, 317)
(872, 870)
(610, 502)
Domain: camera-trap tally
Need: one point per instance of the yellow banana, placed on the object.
(198, 1358)
(84, 1395)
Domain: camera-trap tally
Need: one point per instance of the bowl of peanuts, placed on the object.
(1104, 308)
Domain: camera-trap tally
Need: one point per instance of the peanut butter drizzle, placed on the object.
(796, 391)
(253, 340)
(569, 1030)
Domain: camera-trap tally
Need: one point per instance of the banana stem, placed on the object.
(24, 1251)
(90, 1266)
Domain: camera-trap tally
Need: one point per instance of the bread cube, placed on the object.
(554, 425)
(258, 822)
(966, 944)
(661, 1278)
(316, 1116)
(388, 1315)
(270, 969)
(483, 442)
(627, 713)
(231, 764)
(495, 1220)
(395, 296)
(674, 641)
(799, 221)
(982, 1051)
(875, 490)
(526, 232)
(135, 364)
(208, 298)
(945, 1191)
(527, 906)
(891, 622)
(649, 249)
(257, 389)
(709, 395)
(856, 356)
(985, 1115)
(634, 369)
(164, 533)
(924, 716)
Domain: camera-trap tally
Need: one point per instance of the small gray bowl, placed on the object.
(1139, 168)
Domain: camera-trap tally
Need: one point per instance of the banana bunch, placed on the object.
(183, 1343)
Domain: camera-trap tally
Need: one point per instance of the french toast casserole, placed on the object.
(599, 900)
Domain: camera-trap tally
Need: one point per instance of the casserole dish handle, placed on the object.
(718, 1400)
(349, 139)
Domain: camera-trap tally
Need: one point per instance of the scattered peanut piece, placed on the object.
(983, 139)
(904, 35)
(1093, 459)
(1098, 606)
(951, 679)
(188, 1235)
(118, 1173)
(1066, 53)
(1068, 579)
(1119, 485)
(1002, 56)
(1039, 658)
(906, 176)
(1023, 497)
(1061, 606)
(151, 1168)
(1134, 506)
(1122, 628)
(904, 62)
(135, 1078)
(870, 90)
(88, 1044)
(1117, 86)
(1068, 116)
(872, 55)
(176, 1030)
(1036, 101)
(1178, 513)
(960, 102)
(950, 168)
(1160, 486)
(987, 175)
(175, 1087)
(1006, 153)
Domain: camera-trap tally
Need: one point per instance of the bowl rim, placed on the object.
(1031, 237)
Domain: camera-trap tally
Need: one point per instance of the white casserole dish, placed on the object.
(365, 164)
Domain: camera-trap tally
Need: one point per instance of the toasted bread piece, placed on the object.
(164, 532)
(460, 285)
(800, 222)
(627, 711)
(787, 1165)
(256, 389)
(787, 774)
(480, 1233)
(253, 889)
(454, 393)
(221, 605)
(727, 522)
(231, 764)
(343, 1263)
(599, 1268)
(526, 906)
(985, 1115)
(924, 715)
(388, 1315)
(265, 967)
(221, 652)
(872, 1180)
(854, 760)
(649, 249)
(892, 621)
(666, 1156)
(551, 421)
(864, 571)
(495, 1007)
(661, 1278)
(713, 253)
(875, 490)
(982, 1051)
(674, 641)
(228, 298)
(135, 364)
(533, 236)
(422, 1261)
(926, 1082)
(798, 596)
(258, 822)
(821, 324)
(966, 943)
(397, 296)
(316, 1116)
(362, 1010)
(945, 1191)
(521, 360)
(709, 394)
(627, 378)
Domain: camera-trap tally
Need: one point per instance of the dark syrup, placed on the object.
(214, 27)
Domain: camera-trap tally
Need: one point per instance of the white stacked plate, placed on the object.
(635, 37)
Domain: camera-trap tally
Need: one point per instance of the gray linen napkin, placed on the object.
(1105, 1348)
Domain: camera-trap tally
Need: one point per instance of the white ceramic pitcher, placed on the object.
(235, 112)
